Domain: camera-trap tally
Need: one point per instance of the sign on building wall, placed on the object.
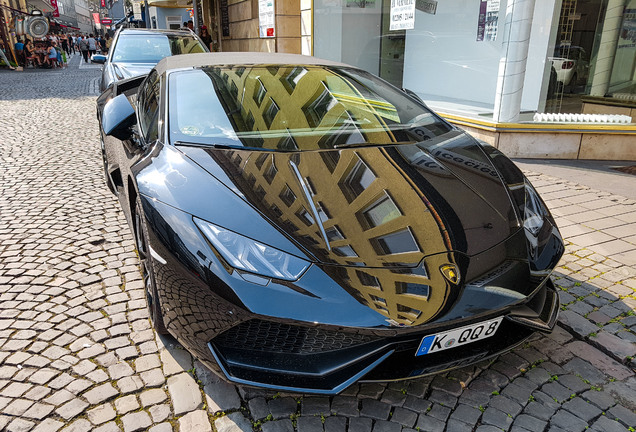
(402, 15)
(427, 6)
(225, 18)
(137, 10)
(56, 11)
(488, 21)
(266, 18)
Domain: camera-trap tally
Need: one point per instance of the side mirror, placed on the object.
(414, 95)
(118, 117)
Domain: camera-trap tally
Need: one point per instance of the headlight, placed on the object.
(246, 254)
(534, 210)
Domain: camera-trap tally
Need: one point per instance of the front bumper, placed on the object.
(323, 360)
(262, 334)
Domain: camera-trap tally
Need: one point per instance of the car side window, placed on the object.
(149, 108)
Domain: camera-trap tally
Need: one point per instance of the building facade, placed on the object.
(503, 69)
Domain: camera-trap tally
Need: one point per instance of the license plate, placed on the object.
(458, 337)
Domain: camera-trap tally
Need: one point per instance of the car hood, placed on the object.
(123, 70)
(377, 206)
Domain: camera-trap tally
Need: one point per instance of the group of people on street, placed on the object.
(54, 50)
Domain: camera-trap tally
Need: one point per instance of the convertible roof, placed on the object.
(238, 58)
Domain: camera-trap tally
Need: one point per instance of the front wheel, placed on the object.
(145, 259)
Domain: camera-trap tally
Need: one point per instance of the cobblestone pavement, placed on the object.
(77, 351)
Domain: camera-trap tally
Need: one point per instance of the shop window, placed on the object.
(276, 211)
(270, 113)
(260, 160)
(289, 226)
(287, 196)
(378, 300)
(330, 159)
(395, 243)
(291, 79)
(287, 143)
(382, 308)
(259, 93)
(334, 234)
(316, 110)
(173, 22)
(419, 290)
(344, 251)
(260, 192)
(305, 217)
(367, 280)
(359, 179)
(323, 212)
(251, 180)
(249, 122)
(233, 90)
(380, 212)
(270, 173)
(409, 310)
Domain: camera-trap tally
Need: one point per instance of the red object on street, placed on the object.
(107, 21)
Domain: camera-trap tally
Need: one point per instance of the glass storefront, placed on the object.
(495, 60)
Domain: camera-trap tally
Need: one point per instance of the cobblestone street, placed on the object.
(78, 353)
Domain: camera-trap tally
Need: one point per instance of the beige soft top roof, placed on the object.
(239, 58)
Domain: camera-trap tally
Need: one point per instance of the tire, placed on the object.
(147, 270)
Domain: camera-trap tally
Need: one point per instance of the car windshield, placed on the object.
(150, 48)
(293, 108)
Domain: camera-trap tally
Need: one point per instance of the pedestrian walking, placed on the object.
(102, 45)
(71, 44)
(108, 42)
(64, 39)
(92, 44)
(83, 46)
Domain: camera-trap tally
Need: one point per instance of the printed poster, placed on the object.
(266, 18)
(137, 10)
(492, 20)
(488, 20)
(402, 15)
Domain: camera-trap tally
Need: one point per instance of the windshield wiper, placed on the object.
(219, 146)
(370, 144)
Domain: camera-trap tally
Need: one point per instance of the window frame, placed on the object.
(142, 96)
